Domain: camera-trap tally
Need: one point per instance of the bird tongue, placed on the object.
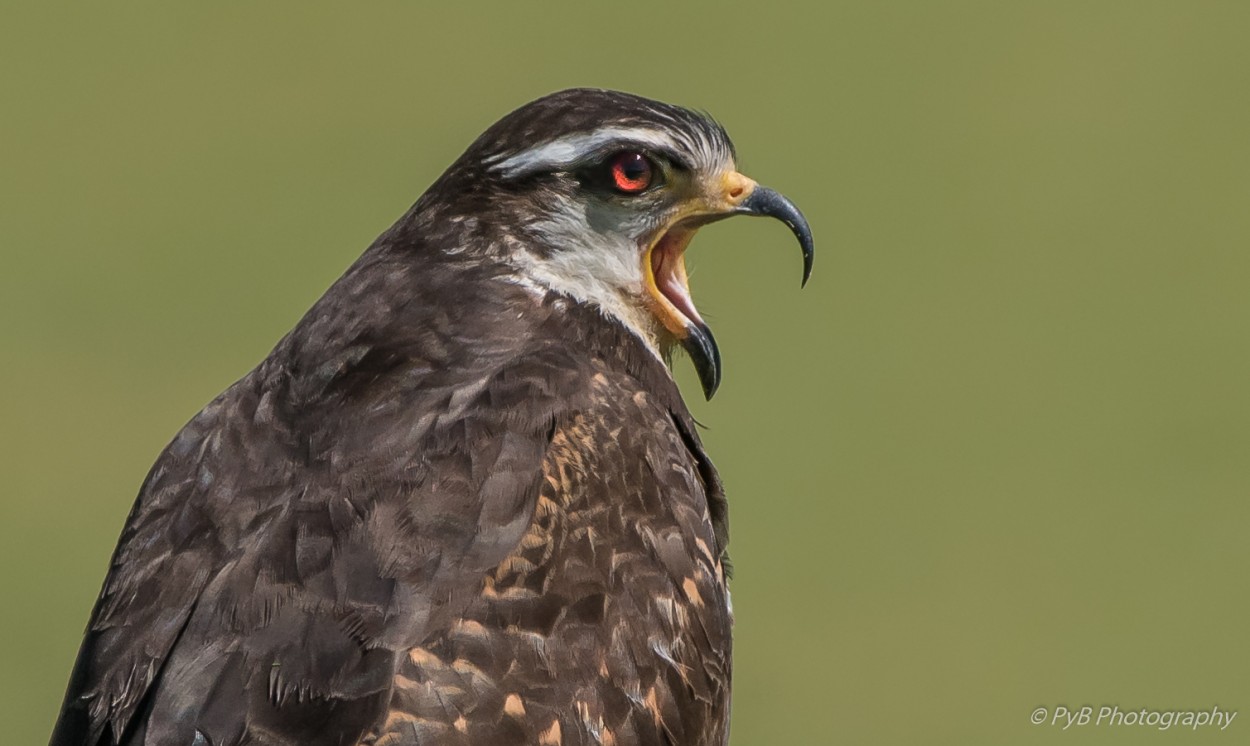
(668, 266)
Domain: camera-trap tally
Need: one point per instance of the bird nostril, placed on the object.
(736, 188)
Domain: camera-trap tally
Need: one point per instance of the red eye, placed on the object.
(631, 172)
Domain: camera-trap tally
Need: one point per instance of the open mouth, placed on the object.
(670, 286)
(664, 267)
(669, 291)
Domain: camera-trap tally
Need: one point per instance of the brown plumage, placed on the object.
(457, 504)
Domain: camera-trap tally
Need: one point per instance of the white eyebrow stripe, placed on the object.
(566, 151)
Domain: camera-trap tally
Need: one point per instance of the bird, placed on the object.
(462, 501)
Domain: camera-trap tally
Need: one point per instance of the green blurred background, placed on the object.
(995, 457)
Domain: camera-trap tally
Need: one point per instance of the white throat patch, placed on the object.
(603, 270)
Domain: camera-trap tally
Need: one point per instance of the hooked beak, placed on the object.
(665, 267)
(765, 202)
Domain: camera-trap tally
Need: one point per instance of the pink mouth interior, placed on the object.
(670, 272)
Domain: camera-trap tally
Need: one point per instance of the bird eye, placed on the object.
(631, 172)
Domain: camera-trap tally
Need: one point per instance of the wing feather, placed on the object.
(276, 566)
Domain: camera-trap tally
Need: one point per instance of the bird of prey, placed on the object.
(462, 501)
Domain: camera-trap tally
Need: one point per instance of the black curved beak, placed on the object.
(770, 203)
(700, 345)
(763, 202)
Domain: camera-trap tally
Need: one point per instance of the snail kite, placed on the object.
(462, 502)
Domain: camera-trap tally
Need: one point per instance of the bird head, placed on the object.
(596, 195)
